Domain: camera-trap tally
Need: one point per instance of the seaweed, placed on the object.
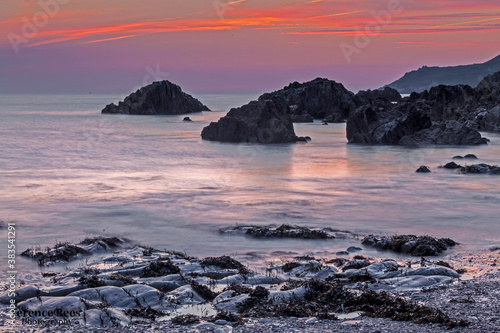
(160, 268)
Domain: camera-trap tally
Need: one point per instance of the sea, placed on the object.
(68, 172)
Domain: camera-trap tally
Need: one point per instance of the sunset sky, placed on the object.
(205, 46)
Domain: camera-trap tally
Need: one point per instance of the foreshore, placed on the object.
(287, 298)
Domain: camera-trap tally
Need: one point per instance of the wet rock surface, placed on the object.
(66, 252)
(158, 98)
(286, 231)
(315, 294)
(481, 169)
(410, 244)
(265, 121)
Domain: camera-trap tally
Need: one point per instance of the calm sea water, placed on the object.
(67, 172)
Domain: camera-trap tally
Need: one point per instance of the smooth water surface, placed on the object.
(67, 172)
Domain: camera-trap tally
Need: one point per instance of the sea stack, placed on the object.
(158, 98)
(262, 121)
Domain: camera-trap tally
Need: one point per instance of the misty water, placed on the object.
(67, 172)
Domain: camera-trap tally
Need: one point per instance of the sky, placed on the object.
(234, 46)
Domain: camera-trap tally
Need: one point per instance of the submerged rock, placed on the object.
(187, 119)
(158, 98)
(410, 244)
(264, 121)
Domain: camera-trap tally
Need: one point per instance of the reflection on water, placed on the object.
(67, 171)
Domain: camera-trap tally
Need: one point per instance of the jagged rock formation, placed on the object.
(262, 121)
(444, 115)
(317, 99)
(158, 98)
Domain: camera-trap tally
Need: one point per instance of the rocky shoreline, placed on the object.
(140, 288)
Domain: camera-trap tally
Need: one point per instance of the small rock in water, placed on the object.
(354, 249)
(452, 165)
(458, 157)
(186, 119)
(471, 157)
(423, 168)
(342, 253)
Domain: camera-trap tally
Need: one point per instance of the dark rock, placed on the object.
(449, 133)
(224, 262)
(457, 157)
(324, 123)
(263, 121)
(481, 169)
(284, 231)
(342, 253)
(301, 118)
(387, 94)
(410, 244)
(471, 156)
(452, 165)
(423, 168)
(159, 268)
(354, 249)
(320, 98)
(356, 264)
(158, 98)
(368, 126)
(66, 252)
(186, 119)
(408, 124)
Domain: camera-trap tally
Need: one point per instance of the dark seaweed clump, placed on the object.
(185, 320)
(224, 262)
(61, 252)
(146, 313)
(203, 291)
(287, 231)
(91, 281)
(323, 297)
(410, 244)
(125, 279)
(160, 268)
(67, 252)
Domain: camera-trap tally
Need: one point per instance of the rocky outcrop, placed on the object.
(479, 108)
(262, 121)
(444, 115)
(318, 99)
(481, 169)
(367, 126)
(370, 96)
(158, 98)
